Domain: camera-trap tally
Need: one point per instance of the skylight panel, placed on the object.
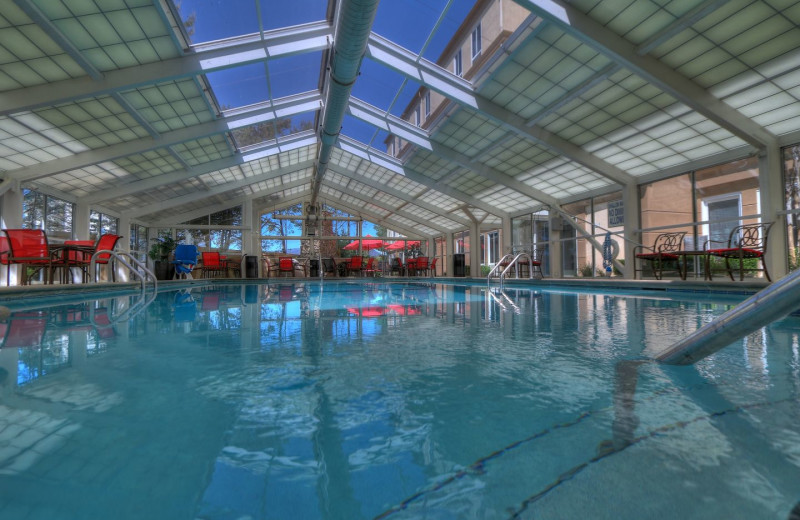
(275, 15)
(240, 86)
(206, 21)
(294, 74)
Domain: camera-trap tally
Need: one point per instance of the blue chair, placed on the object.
(185, 260)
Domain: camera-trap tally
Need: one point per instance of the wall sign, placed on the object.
(616, 213)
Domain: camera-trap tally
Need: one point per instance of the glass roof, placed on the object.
(153, 109)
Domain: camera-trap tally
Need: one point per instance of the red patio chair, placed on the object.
(212, 264)
(82, 259)
(286, 265)
(422, 265)
(432, 266)
(370, 269)
(355, 265)
(745, 242)
(28, 248)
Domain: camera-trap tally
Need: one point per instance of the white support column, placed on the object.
(80, 221)
(475, 250)
(506, 239)
(11, 218)
(771, 193)
(251, 240)
(124, 245)
(630, 204)
(447, 268)
(556, 262)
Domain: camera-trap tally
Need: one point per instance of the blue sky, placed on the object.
(406, 22)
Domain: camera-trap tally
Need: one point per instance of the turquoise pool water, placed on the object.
(406, 400)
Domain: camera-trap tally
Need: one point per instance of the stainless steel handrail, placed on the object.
(764, 307)
(514, 263)
(497, 266)
(118, 255)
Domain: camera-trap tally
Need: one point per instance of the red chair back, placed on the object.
(211, 260)
(27, 246)
(422, 263)
(4, 250)
(285, 264)
(433, 265)
(355, 262)
(106, 243)
(370, 263)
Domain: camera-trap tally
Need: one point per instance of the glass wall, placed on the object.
(221, 239)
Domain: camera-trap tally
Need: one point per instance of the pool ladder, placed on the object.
(142, 272)
(513, 261)
(759, 310)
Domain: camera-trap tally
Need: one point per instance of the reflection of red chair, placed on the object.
(24, 329)
(367, 312)
(286, 265)
(102, 323)
(27, 248)
(210, 301)
(286, 293)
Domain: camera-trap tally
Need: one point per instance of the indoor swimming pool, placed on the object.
(360, 400)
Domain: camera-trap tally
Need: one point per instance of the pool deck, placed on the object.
(13, 295)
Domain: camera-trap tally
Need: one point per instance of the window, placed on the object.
(427, 104)
(100, 224)
(457, 63)
(41, 211)
(417, 118)
(722, 214)
(476, 41)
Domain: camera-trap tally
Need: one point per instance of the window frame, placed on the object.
(476, 41)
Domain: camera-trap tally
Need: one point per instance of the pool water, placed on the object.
(396, 400)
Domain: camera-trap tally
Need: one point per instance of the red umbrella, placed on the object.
(396, 246)
(366, 243)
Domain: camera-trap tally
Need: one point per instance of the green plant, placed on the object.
(586, 270)
(162, 248)
(485, 270)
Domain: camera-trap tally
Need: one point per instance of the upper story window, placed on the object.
(427, 103)
(476, 40)
(457, 63)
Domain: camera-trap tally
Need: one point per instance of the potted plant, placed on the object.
(162, 247)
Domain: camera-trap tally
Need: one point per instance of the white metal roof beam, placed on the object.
(388, 122)
(461, 91)
(609, 43)
(178, 176)
(397, 194)
(222, 188)
(225, 54)
(418, 177)
(262, 112)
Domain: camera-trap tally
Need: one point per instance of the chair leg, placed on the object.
(764, 267)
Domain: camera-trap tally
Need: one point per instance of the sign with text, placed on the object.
(616, 213)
